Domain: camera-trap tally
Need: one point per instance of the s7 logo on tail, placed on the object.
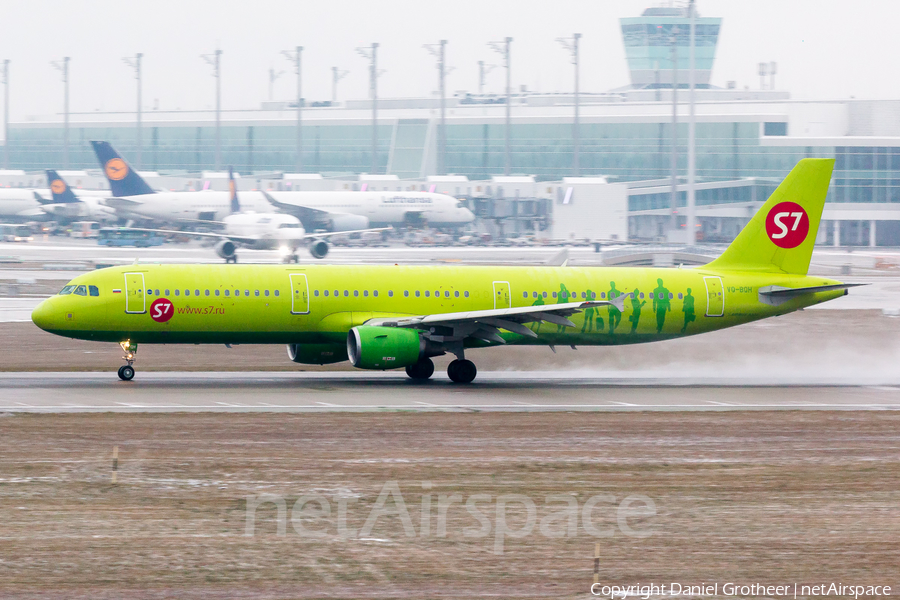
(787, 225)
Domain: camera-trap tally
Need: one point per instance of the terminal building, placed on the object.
(747, 140)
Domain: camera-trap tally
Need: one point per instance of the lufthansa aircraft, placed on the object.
(66, 205)
(388, 317)
(335, 211)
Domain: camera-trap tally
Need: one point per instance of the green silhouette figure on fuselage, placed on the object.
(636, 304)
(562, 298)
(538, 302)
(688, 310)
(661, 305)
(591, 315)
(615, 315)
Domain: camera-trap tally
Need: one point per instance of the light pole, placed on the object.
(371, 53)
(135, 63)
(63, 67)
(214, 60)
(673, 217)
(438, 51)
(502, 48)
(571, 44)
(296, 58)
(336, 75)
(692, 125)
(6, 113)
(483, 70)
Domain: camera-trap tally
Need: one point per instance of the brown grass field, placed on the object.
(808, 497)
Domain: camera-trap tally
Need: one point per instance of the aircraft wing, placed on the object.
(122, 202)
(221, 236)
(486, 324)
(298, 210)
(333, 233)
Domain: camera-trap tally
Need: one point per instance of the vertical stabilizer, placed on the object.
(232, 192)
(60, 190)
(123, 180)
(781, 236)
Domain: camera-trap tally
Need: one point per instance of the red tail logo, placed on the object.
(787, 225)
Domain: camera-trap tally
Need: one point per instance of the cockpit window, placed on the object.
(94, 290)
(81, 290)
(67, 290)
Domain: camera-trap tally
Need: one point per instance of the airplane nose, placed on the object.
(43, 315)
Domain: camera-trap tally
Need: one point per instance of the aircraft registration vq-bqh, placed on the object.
(388, 317)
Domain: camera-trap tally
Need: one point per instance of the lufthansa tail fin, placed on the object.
(781, 236)
(232, 192)
(60, 190)
(123, 179)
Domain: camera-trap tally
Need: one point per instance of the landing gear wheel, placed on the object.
(421, 370)
(461, 371)
(126, 373)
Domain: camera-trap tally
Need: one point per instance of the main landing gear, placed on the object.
(291, 258)
(126, 372)
(461, 371)
(421, 370)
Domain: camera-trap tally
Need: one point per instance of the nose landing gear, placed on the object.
(126, 372)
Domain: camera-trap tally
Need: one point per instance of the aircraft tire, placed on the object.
(423, 369)
(462, 371)
(126, 373)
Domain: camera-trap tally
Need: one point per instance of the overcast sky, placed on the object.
(825, 49)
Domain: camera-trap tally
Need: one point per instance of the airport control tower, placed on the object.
(649, 44)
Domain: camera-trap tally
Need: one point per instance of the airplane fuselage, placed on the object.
(321, 303)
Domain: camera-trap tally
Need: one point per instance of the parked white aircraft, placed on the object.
(263, 230)
(66, 205)
(335, 211)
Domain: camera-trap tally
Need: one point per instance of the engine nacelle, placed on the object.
(349, 222)
(318, 248)
(372, 347)
(317, 354)
(225, 249)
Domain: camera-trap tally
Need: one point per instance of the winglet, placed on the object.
(123, 179)
(59, 189)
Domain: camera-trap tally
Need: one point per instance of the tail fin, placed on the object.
(60, 190)
(781, 236)
(123, 180)
(232, 192)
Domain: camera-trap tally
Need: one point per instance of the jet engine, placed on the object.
(318, 248)
(226, 249)
(373, 347)
(349, 222)
(317, 354)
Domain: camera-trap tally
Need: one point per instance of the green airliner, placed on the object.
(388, 317)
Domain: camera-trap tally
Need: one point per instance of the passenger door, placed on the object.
(134, 294)
(715, 297)
(299, 294)
(502, 297)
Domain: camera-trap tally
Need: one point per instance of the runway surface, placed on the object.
(493, 391)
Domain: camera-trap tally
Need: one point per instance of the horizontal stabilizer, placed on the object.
(774, 295)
